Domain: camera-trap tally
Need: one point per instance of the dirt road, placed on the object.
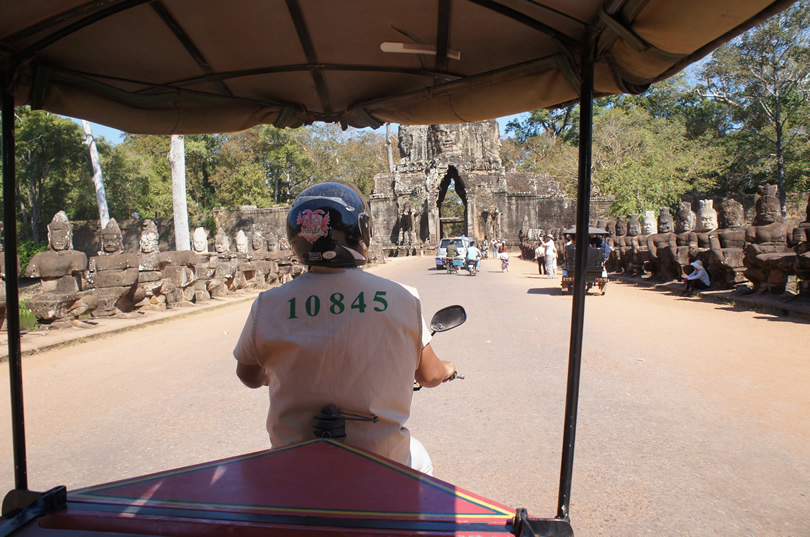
(693, 416)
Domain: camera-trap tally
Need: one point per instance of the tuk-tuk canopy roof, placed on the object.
(194, 66)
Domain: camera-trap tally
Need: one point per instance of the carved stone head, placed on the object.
(649, 226)
(806, 212)
(685, 218)
(272, 242)
(768, 207)
(112, 240)
(149, 237)
(732, 214)
(199, 240)
(610, 227)
(222, 244)
(257, 240)
(60, 233)
(445, 139)
(621, 226)
(241, 242)
(665, 223)
(633, 226)
(707, 216)
(405, 145)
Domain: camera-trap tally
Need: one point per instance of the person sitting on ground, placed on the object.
(697, 279)
(338, 334)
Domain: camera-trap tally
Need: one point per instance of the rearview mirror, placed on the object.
(447, 318)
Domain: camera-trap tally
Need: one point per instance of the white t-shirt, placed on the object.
(347, 338)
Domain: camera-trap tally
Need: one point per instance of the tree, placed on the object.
(98, 178)
(177, 159)
(202, 154)
(287, 166)
(353, 155)
(240, 177)
(647, 163)
(559, 123)
(762, 77)
(50, 158)
(144, 176)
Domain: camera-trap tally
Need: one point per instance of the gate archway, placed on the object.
(452, 205)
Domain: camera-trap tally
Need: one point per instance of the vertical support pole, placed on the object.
(12, 289)
(580, 267)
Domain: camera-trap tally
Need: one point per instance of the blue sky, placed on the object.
(115, 136)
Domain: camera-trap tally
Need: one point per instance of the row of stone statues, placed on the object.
(118, 282)
(764, 253)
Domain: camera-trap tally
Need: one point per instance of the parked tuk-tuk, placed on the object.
(595, 273)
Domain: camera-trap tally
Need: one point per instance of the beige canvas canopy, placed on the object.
(196, 66)
(193, 66)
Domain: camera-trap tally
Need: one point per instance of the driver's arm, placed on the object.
(432, 371)
(251, 375)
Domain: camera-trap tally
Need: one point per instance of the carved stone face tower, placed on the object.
(450, 181)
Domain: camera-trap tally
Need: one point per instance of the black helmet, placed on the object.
(329, 225)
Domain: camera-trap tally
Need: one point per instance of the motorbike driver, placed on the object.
(339, 335)
(452, 250)
(474, 254)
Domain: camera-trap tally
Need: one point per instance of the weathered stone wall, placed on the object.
(271, 220)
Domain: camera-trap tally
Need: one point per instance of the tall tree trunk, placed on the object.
(98, 179)
(780, 162)
(389, 150)
(177, 159)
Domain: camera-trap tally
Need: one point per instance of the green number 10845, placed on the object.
(337, 304)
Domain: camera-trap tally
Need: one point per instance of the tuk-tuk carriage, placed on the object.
(595, 273)
(179, 67)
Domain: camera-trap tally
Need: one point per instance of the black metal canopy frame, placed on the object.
(522, 525)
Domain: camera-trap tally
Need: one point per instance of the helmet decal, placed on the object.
(314, 224)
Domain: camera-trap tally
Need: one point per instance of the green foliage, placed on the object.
(559, 124)
(351, 155)
(27, 249)
(647, 163)
(50, 158)
(28, 321)
(724, 135)
(762, 79)
(210, 225)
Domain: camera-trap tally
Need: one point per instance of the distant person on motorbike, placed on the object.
(452, 250)
(339, 335)
(474, 254)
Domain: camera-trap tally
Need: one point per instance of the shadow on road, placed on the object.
(544, 291)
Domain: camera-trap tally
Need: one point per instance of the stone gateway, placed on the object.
(406, 205)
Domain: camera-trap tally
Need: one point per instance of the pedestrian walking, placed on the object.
(551, 257)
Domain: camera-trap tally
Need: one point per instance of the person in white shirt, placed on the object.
(339, 335)
(697, 279)
(550, 256)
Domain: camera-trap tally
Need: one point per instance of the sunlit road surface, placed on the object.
(694, 418)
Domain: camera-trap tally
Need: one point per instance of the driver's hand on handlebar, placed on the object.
(450, 369)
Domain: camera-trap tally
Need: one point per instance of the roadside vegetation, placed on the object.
(734, 121)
